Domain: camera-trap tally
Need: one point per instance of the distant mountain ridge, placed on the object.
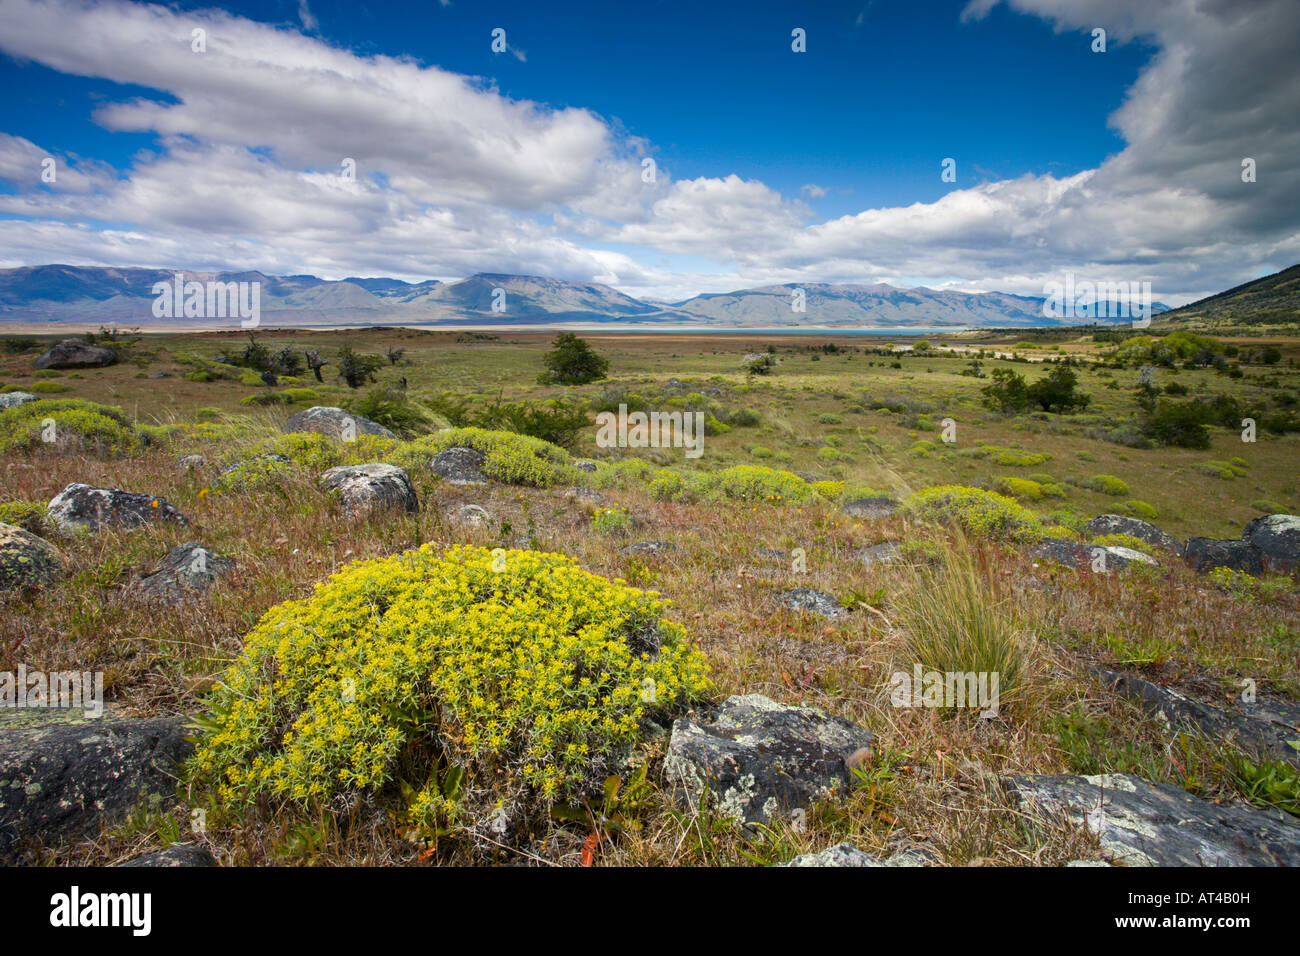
(84, 294)
(1269, 300)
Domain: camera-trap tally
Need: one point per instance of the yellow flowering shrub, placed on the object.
(757, 483)
(510, 458)
(102, 429)
(979, 512)
(517, 668)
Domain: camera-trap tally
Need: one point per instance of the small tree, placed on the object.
(357, 369)
(572, 361)
(395, 355)
(758, 363)
(1055, 391)
(1007, 392)
(315, 363)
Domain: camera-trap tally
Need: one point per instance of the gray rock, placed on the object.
(847, 855)
(649, 547)
(82, 507)
(1122, 524)
(61, 781)
(190, 462)
(189, 570)
(1271, 728)
(160, 375)
(887, 552)
(460, 466)
(588, 495)
(371, 489)
(1089, 557)
(473, 515)
(14, 399)
(812, 601)
(762, 760)
(585, 464)
(335, 423)
(74, 353)
(1205, 554)
(874, 508)
(27, 561)
(174, 856)
(1154, 824)
(1278, 539)
(774, 554)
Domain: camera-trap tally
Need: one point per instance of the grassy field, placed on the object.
(833, 409)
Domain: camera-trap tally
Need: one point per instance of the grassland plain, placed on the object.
(834, 409)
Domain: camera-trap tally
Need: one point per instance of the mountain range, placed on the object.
(64, 294)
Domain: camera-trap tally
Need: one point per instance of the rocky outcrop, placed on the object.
(74, 353)
(81, 507)
(64, 780)
(27, 561)
(14, 399)
(1269, 543)
(761, 760)
(1139, 823)
(811, 601)
(189, 570)
(1271, 728)
(174, 856)
(1089, 557)
(847, 855)
(366, 490)
(460, 466)
(873, 508)
(1134, 528)
(335, 423)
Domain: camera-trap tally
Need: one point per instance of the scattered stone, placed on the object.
(190, 462)
(473, 515)
(14, 399)
(1205, 554)
(74, 353)
(873, 508)
(775, 554)
(847, 855)
(65, 779)
(189, 570)
(760, 759)
(371, 489)
(1140, 823)
(460, 466)
(174, 856)
(585, 464)
(1142, 530)
(814, 602)
(1278, 539)
(335, 423)
(27, 561)
(887, 552)
(1269, 727)
(649, 547)
(81, 507)
(160, 375)
(588, 495)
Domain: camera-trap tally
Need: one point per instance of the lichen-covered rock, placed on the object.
(811, 601)
(1140, 823)
(649, 547)
(473, 515)
(762, 760)
(14, 399)
(82, 507)
(190, 462)
(1271, 728)
(847, 855)
(188, 570)
(174, 856)
(27, 561)
(1101, 559)
(887, 552)
(1205, 554)
(585, 464)
(65, 779)
(335, 423)
(460, 466)
(366, 490)
(74, 353)
(1133, 527)
(1278, 539)
(873, 508)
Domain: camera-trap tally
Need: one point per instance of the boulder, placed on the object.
(1089, 557)
(371, 489)
(190, 462)
(81, 507)
(64, 780)
(1140, 823)
(887, 552)
(473, 515)
(1123, 524)
(335, 423)
(873, 508)
(1205, 554)
(1277, 537)
(847, 855)
(189, 570)
(1271, 728)
(14, 399)
(585, 464)
(174, 856)
(460, 466)
(762, 760)
(27, 561)
(811, 601)
(74, 353)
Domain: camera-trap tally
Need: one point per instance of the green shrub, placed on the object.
(1268, 506)
(529, 677)
(1023, 489)
(389, 407)
(101, 429)
(667, 485)
(296, 396)
(760, 451)
(611, 521)
(1107, 485)
(757, 483)
(28, 515)
(254, 474)
(47, 388)
(984, 513)
(510, 458)
(1140, 509)
(1222, 470)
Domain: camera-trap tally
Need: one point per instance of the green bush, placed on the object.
(1140, 509)
(101, 429)
(28, 515)
(510, 458)
(757, 483)
(611, 521)
(1107, 485)
(1023, 489)
(389, 407)
(980, 512)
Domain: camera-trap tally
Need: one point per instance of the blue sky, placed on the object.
(772, 165)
